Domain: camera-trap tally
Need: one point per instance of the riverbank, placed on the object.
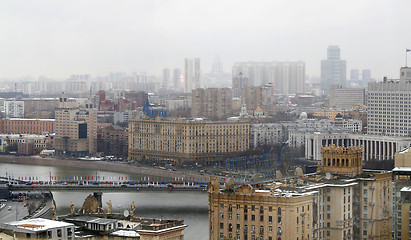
(97, 165)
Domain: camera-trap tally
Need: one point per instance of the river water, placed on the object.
(190, 206)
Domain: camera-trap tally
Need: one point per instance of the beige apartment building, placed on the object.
(247, 213)
(186, 141)
(345, 202)
(213, 103)
(76, 128)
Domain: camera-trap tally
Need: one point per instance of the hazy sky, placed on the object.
(60, 38)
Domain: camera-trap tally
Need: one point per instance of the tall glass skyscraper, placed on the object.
(333, 70)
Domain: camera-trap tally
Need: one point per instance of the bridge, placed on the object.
(151, 186)
(109, 185)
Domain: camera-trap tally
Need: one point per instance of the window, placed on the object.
(221, 225)
(328, 198)
(328, 207)
(252, 207)
(221, 235)
(270, 208)
(230, 215)
(261, 218)
(69, 232)
(253, 217)
(59, 233)
(230, 208)
(270, 219)
(328, 216)
(238, 216)
(245, 217)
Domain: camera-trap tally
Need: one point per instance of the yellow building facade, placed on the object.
(186, 140)
(341, 160)
(247, 213)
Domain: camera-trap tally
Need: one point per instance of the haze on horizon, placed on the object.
(59, 38)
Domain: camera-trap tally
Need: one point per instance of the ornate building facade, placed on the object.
(186, 140)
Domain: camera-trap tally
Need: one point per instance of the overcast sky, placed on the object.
(60, 38)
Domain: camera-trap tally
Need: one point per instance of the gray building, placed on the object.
(333, 70)
(192, 75)
(347, 98)
(287, 77)
(389, 111)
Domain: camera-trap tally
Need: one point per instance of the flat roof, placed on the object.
(125, 233)
(91, 219)
(402, 169)
(38, 224)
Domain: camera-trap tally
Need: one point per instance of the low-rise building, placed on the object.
(38, 228)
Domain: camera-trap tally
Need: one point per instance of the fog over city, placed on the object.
(59, 38)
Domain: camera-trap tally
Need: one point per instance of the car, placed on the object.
(3, 200)
(123, 185)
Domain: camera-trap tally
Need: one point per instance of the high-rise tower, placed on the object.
(192, 76)
(333, 70)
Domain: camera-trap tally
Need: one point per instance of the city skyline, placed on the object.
(60, 39)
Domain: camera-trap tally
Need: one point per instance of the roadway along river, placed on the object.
(190, 206)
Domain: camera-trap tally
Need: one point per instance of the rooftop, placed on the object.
(36, 225)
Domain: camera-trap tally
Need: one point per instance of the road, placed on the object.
(18, 211)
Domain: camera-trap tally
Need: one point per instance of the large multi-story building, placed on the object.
(213, 103)
(347, 98)
(75, 127)
(113, 141)
(27, 126)
(247, 213)
(192, 75)
(402, 195)
(375, 147)
(186, 141)
(253, 97)
(388, 106)
(340, 201)
(240, 82)
(176, 78)
(166, 78)
(14, 109)
(333, 70)
(288, 77)
(265, 134)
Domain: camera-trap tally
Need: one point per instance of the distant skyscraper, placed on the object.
(333, 70)
(176, 78)
(166, 78)
(366, 75)
(217, 65)
(355, 75)
(288, 77)
(192, 76)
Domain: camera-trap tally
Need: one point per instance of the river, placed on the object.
(190, 206)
